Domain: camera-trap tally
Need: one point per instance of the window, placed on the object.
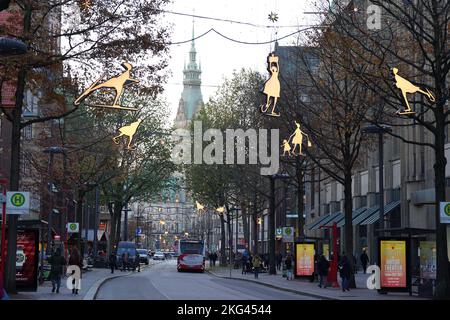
(328, 193)
(339, 191)
(364, 182)
(396, 174)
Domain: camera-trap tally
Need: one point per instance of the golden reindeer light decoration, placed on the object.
(129, 132)
(407, 87)
(117, 83)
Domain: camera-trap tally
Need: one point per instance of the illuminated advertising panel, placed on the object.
(394, 264)
(304, 259)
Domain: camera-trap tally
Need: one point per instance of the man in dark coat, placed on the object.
(364, 260)
(345, 273)
(113, 261)
(279, 261)
(57, 263)
(322, 267)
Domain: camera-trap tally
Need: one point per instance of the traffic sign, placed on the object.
(445, 212)
(73, 227)
(288, 234)
(138, 231)
(17, 202)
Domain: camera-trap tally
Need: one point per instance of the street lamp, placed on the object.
(51, 187)
(380, 130)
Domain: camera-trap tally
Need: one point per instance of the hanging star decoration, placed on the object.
(220, 210)
(273, 17)
(85, 4)
(200, 207)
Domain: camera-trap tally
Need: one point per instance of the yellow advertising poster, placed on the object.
(428, 259)
(326, 250)
(393, 263)
(304, 259)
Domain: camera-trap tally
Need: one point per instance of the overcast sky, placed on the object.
(218, 56)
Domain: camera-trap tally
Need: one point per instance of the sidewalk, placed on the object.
(90, 283)
(304, 286)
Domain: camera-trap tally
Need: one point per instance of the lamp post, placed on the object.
(51, 151)
(380, 130)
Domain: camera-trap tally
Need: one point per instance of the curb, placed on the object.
(93, 291)
(312, 295)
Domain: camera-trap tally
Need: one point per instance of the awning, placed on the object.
(365, 215)
(336, 219)
(355, 214)
(318, 221)
(326, 220)
(387, 209)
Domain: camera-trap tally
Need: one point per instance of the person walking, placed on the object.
(345, 273)
(125, 261)
(364, 260)
(75, 259)
(57, 263)
(214, 258)
(288, 264)
(113, 261)
(244, 264)
(322, 267)
(257, 263)
(279, 261)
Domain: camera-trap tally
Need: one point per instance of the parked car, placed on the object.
(159, 256)
(130, 248)
(143, 256)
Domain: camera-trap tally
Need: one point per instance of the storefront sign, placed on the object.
(393, 263)
(279, 233)
(304, 259)
(428, 259)
(445, 212)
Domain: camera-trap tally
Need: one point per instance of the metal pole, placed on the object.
(237, 229)
(96, 213)
(381, 184)
(3, 233)
(125, 223)
(50, 213)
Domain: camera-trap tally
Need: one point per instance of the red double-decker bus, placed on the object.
(191, 255)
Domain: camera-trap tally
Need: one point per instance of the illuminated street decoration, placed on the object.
(273, 17)
(200, 207)
(117, 83)
(220, 209)
(407, 87)
(128, 131)
(272, 86)
(297, 140)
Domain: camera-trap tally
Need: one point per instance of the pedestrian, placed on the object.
(257, 262)
(137, 261)
(364, 260)
(323, 266)
(244, 264)
(288, 264)
(345, 273)
(125, 261)
(113, 261)
(214, 258)
(75, 259)
(355, 266)
(279, 261)
(57, 263)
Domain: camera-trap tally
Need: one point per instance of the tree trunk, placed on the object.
(223, 256)
(255, 227)
(245, 223)
(79, 215)
(442, 272)
(348, 227)
(14, 176)
(300, 200)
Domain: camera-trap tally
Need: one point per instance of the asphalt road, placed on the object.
(163, 282)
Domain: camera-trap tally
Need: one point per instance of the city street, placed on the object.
(163, 282)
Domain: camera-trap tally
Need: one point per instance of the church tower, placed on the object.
(191, 98)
